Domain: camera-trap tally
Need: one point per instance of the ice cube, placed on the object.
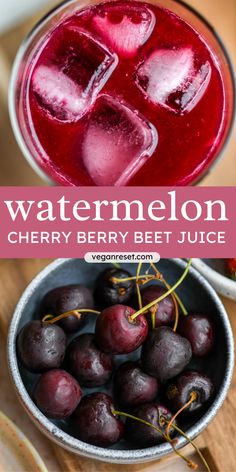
(124, 27)
(118, 141)
(174, 79)
(73, 68)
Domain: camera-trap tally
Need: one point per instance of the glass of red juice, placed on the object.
(122, 93)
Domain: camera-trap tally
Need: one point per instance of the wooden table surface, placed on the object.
(218, 439)
(14, 170)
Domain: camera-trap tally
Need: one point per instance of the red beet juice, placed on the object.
(123, 93)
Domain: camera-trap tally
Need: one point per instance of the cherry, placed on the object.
(67, 298)
(132, 386)
(165, 312)
(190, 384)
(94, 421)
(57, 394)
(143, 435)
(41, 346)
(87, 363)
(109, 292)
(199, 330)
(165, 353)
(117, 333)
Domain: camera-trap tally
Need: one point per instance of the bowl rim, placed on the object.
(87, 450)
(221, 282)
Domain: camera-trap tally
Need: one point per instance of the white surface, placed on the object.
(13, 11)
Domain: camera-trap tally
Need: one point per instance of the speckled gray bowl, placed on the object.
(196, 293)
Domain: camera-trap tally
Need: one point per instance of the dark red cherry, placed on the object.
(180, 389)
(142, 435)
(108, 292)
(117, 333)
(132, 386)
(199, 330)
(57, 394)
(90, 366)
(165, 313)
(66, 298)
(165, 353)
(41, 346)
(94, 422)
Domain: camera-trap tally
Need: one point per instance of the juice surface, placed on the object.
(124, 93)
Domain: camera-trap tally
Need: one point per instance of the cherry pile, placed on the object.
(139, 396)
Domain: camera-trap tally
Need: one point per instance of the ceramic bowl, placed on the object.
(214, 271)
(196, 294)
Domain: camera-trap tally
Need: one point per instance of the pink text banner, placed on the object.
(49, 222)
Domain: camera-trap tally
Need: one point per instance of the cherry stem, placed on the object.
(137, 285)
(140, 420)
(175, 305)
(53, 319)
(183, 309)
(144, 278)
(193, 397)
(176, 313)
(153, 315)
(116, 265)
(154, 302)
(174, 295)
(171, 442)
(192, 465)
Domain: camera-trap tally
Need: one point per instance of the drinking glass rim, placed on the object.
(36, 28)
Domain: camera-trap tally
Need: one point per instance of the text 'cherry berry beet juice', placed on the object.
(122, 93)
